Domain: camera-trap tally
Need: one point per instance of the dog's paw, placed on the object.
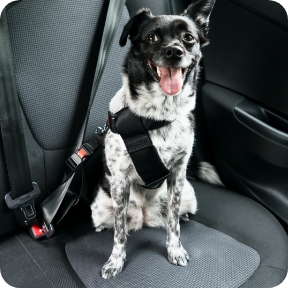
(112, 267)
(178, 255)
(99, 228)
(184, 217)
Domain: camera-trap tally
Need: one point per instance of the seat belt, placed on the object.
(24, 191)
(50, 207)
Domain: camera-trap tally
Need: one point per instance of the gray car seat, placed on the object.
(232, 240)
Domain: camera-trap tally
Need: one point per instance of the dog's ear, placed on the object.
(132, 28)
(200, 12)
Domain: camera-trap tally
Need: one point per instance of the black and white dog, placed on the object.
(159, 82)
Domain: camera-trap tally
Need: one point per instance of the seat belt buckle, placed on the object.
(39, 231)
(78, 157)
(26, 203)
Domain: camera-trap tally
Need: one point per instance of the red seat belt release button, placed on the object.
(82, 153)
(36, 231)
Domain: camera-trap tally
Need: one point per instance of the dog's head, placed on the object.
(166, 49)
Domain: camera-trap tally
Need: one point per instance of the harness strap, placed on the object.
(134, 132)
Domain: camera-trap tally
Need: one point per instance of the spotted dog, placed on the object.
(159, 82)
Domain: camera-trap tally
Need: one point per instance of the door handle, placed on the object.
(262, 121)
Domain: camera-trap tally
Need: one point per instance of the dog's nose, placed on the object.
(174, 51)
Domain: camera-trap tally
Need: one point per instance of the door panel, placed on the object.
(269, 10)
(245, 100)
(248, 54)
(252, 160)
(262, 121)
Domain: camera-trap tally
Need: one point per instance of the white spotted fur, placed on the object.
(174, 145)
(207, 173)
(144, 205)
(132, 206)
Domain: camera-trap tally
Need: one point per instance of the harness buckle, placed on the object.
(26, 204)
(79, 156)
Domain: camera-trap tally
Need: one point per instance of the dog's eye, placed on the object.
(152, 38)
(188, 37)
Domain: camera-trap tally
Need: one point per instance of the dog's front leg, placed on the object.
(176, 253)
(120, 200)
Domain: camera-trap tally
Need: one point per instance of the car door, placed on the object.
(245, 99)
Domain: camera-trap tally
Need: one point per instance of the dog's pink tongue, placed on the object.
(171, 81)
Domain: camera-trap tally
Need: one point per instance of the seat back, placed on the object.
(54, 59)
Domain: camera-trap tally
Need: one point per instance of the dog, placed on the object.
(160, 75)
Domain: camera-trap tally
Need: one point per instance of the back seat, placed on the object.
(52, 45)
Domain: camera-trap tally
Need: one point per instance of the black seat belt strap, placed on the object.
(50, 206)
(23, 191)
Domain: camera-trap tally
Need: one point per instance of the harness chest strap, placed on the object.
(134, 132)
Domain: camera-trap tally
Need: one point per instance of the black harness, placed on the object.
(134, 132)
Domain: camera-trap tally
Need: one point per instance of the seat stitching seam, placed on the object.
(269, 266)
(259, 267)
(35, 261)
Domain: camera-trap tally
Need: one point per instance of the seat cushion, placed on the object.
(217, 260)
(250, 223)
(231, 225)
(233, 242)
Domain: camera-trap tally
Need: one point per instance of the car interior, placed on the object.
(238, 237)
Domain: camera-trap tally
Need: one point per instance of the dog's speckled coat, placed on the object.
(120, 202)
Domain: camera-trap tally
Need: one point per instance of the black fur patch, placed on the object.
(192, 121)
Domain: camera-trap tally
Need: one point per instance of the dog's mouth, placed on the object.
(171, 79)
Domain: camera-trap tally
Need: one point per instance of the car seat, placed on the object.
(233, 241)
